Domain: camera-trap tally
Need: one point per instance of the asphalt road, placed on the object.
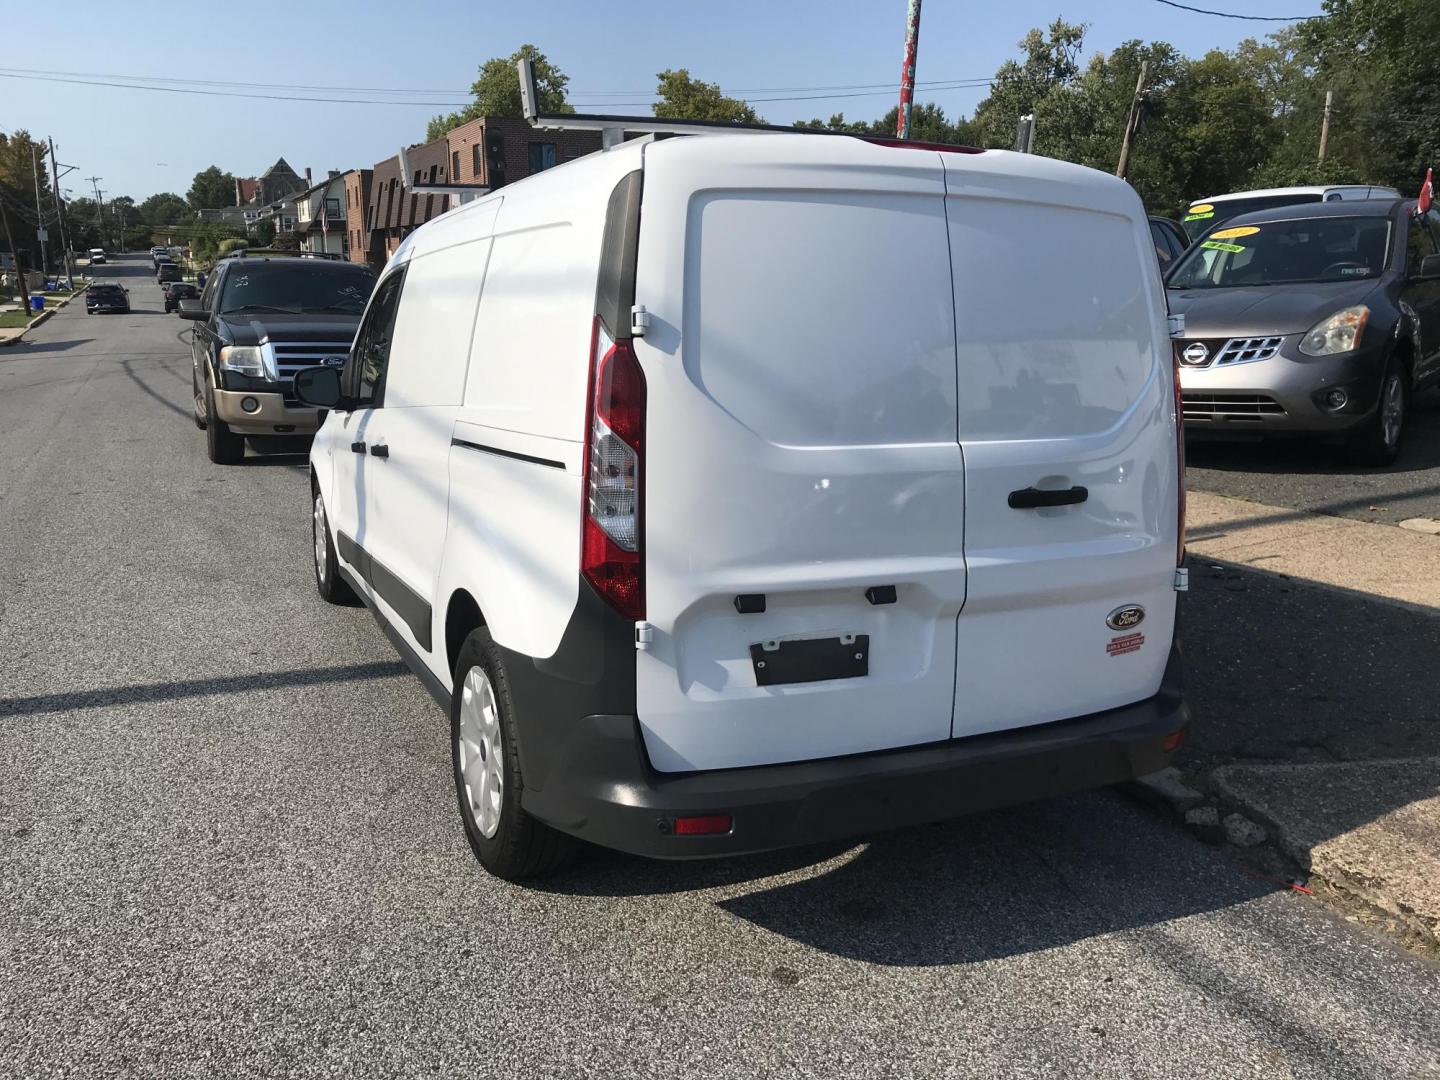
(229, 845)
(1304, 474)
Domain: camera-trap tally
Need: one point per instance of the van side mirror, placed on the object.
(191, 309)
(1430, 266)
(319, 387)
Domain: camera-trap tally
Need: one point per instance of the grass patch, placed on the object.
(10, 320)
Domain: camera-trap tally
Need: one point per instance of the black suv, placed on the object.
(258, 322)
(176, 291)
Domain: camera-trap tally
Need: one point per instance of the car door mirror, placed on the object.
(1429, 267)
(319, 387)
(191, 309)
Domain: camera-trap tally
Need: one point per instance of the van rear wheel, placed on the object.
(488, 783)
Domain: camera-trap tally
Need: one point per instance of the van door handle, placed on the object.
(1033, 498)
(357, 447)
(380, 450)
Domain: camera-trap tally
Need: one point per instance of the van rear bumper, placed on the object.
(602, 789)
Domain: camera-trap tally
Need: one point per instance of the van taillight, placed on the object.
(612, 548)
(1179, 455)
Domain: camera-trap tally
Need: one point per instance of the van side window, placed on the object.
(372, 342)
(1421, 243)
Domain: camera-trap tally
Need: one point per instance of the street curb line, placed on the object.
(33, 323)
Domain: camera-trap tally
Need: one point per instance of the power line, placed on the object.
(1247, 18)
(185, 86)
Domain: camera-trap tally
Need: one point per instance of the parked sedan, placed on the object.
(175, 291)
(1315, 319)
(107, 297)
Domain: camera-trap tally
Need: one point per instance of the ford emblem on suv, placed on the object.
(1125, 618)
(333, 361)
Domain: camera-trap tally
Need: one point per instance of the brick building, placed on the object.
(380, 212)
(524, 149)
(357, 206)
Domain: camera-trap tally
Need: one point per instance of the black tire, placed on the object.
(222, 445)
(332, 587)
(521, 846)
(197, 402)
(1377, 443)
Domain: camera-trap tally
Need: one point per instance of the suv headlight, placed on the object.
(1337, 334)
(245, 360)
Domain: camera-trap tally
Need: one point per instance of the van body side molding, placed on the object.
(407, 603)
(484, 449)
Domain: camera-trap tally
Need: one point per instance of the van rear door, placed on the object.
(1066, 419)
(800, 451)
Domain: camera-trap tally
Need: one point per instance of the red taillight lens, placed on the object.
(1179, 456)
(612, 533)
(702, 825)
(1174, 740)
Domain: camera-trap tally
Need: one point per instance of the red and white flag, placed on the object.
(1427, 192)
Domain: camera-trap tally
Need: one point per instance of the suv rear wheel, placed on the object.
(483, 742)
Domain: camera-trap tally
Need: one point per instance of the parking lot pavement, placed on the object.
(1303, 474)
(229, 845)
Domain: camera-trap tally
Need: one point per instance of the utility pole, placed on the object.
(60, 213)
(39, 209)
(907, 71)
(99, 207)
(1131, 119)
(21, 291)
(1325, 123)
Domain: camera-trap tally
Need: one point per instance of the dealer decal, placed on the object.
(1235, 233)
(1220, 245)
(1199, 212)
(1125, 643)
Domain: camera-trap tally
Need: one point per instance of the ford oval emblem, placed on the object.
(1195, 354)
(334, 361)
(1125, 618)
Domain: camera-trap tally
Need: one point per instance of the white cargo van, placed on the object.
(739, 492)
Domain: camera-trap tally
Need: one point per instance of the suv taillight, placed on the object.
(1179, 455)
(612, 546)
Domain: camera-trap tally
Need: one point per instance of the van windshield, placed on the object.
(309, 289)
(1202, 217)
(1305, 250)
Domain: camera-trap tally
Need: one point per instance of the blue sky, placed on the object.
(142, 141)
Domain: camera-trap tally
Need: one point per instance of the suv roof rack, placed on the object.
(239, 253)
(612, 128)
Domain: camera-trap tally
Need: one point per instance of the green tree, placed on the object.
(686, 98)
(1382, 60)
(497, 91)
(211, 189)
(166, 208)
(928, 123)
(1050, 65)
(264, 232)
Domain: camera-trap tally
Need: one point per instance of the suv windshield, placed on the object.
(297, 289)
(1286, 252)
(1203, 216)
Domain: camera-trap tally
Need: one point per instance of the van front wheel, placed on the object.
(488, 784)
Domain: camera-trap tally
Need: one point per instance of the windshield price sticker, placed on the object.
(1200, 212)
(1220, 245)
(1235, 233)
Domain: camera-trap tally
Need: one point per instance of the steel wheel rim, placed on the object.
(481, 751)
(1391, 410)
(319, 531)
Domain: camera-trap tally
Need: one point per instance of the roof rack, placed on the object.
(241, 252)
(473, 190)
(613, 128)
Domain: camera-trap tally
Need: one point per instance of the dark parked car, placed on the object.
(1322, 318)
(1169, 239)
(107, 297)
(257, 322)
(167, 271)
(175, 291)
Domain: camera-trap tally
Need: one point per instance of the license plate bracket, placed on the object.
(802, 660)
